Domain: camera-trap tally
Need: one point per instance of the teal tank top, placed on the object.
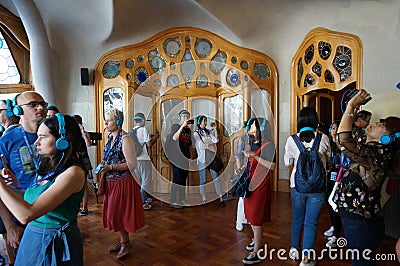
(66, 212)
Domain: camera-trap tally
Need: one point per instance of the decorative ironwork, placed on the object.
(342, 62)
(317, 69)
(300, 71)
(329, 77)
(308, 80)
(309, 54)
(324, 50)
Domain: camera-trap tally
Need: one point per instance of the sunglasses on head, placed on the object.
(36, 104)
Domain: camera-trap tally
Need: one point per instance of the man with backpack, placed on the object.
(142, 140)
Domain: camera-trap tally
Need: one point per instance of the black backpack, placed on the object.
(138, 147)
(310, 175)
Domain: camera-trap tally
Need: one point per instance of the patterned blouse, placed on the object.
(358, 195)
(113, 155)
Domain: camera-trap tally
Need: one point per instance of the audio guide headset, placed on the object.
(62, 142)
(9, 111)
(119, 120)
(183, 112)
(199, 119)
(262, 127)
(2, 129)
(248, 124)
(17, 110)
(387, 139)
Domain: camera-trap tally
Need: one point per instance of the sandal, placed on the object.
(115, 247)
(124, 251)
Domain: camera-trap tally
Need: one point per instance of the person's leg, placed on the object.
(125, 245)
(257, 233)
(298, 214)
(240, 217)
(174, 185)
(398, 249)
(146, 179)
(203, 176)
(85, 198)
(361, 235)
(314, 203)
(217, 184)
(182, 185)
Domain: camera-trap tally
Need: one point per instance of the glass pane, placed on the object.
(144, 104)
(113, 98)
(9, 73)
(260, 103)
(169, 115)
(204, 107)
(233, 115)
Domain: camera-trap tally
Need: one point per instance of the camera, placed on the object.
(190, 122)
(95, 137)
(354, 93)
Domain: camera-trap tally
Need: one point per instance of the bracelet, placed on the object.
(349, 114)
(111, 167)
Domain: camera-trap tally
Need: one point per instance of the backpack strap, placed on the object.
(299, 145)
(262, 147)
(316, 143)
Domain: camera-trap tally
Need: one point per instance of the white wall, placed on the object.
(80, 32)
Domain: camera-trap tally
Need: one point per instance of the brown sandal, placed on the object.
(115, 247)
(124, 251)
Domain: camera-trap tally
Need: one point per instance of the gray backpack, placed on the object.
(138, 147)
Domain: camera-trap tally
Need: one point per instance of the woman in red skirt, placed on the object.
(260, 155)
(122, 207)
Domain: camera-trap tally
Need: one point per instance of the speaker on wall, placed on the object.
(84, 76)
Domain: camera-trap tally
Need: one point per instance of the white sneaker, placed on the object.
(294, 254)
(310, 263)
(329, 232)
(331, 242)
(239, 226)
(146, 206)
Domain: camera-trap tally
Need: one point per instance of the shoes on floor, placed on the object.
(329, 232)
(184, 203)
(294, 254)
(115, 247)
(204, 203)
(252, 258)
(250, 246)
(331, 242)
(239, 227)
(222, 203)
(149, 200)
(124, 251)
(146, 206)
(310, 263)
(84, 212)
(175, 205)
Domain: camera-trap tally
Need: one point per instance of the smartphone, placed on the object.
(190, 122)
(98, 168)
(354, 93)
(212, 124)
(3, 161)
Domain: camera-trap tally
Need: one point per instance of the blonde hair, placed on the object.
(114, 114)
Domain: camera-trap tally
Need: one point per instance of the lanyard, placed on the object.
(29, 147)
(49, 176)
(109, 150)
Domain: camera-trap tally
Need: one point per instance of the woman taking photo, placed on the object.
(122, 206)
(305, 206)
(260, 158)
(51, 204)
(359, 192)
(205, 141)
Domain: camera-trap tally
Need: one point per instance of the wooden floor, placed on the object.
(200, 236)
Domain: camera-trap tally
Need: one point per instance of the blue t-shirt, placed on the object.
(14, 148)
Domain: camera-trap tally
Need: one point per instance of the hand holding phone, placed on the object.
(354, 92)
(98, 168)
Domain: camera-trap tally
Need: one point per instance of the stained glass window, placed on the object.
(9, 73)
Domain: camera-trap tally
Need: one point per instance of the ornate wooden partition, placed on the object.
(184, 65)
(325, 63)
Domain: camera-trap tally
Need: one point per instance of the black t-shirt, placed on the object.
(178, 152)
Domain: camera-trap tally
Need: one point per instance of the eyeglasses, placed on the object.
(35, 104)
(1, 110)
(366, 121)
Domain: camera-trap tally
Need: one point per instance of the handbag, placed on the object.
(217, 165)
(101, 185)
(241, 187)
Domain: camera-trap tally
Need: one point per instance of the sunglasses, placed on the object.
(35, 104)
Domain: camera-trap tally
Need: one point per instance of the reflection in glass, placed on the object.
(233, 114)
(8, 71)
(299, 72)
(113, 98)
(203, 107)
(144, 105)
(169, 115)
(342, 62)
(260, 103)
(309, 54)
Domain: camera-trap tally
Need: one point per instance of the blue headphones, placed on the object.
(387, 139)
(62, 142)
(333, 122)
(9, 111)
(199, 119)
(181, 113)
(248, 124)
(2, 129)
(119, 119)
(138, 118)
(262, 127)
(17, 110)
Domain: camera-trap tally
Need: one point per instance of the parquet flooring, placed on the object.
(199, 236)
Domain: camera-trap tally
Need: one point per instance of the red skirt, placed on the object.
(122, 206)
(257, 207)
